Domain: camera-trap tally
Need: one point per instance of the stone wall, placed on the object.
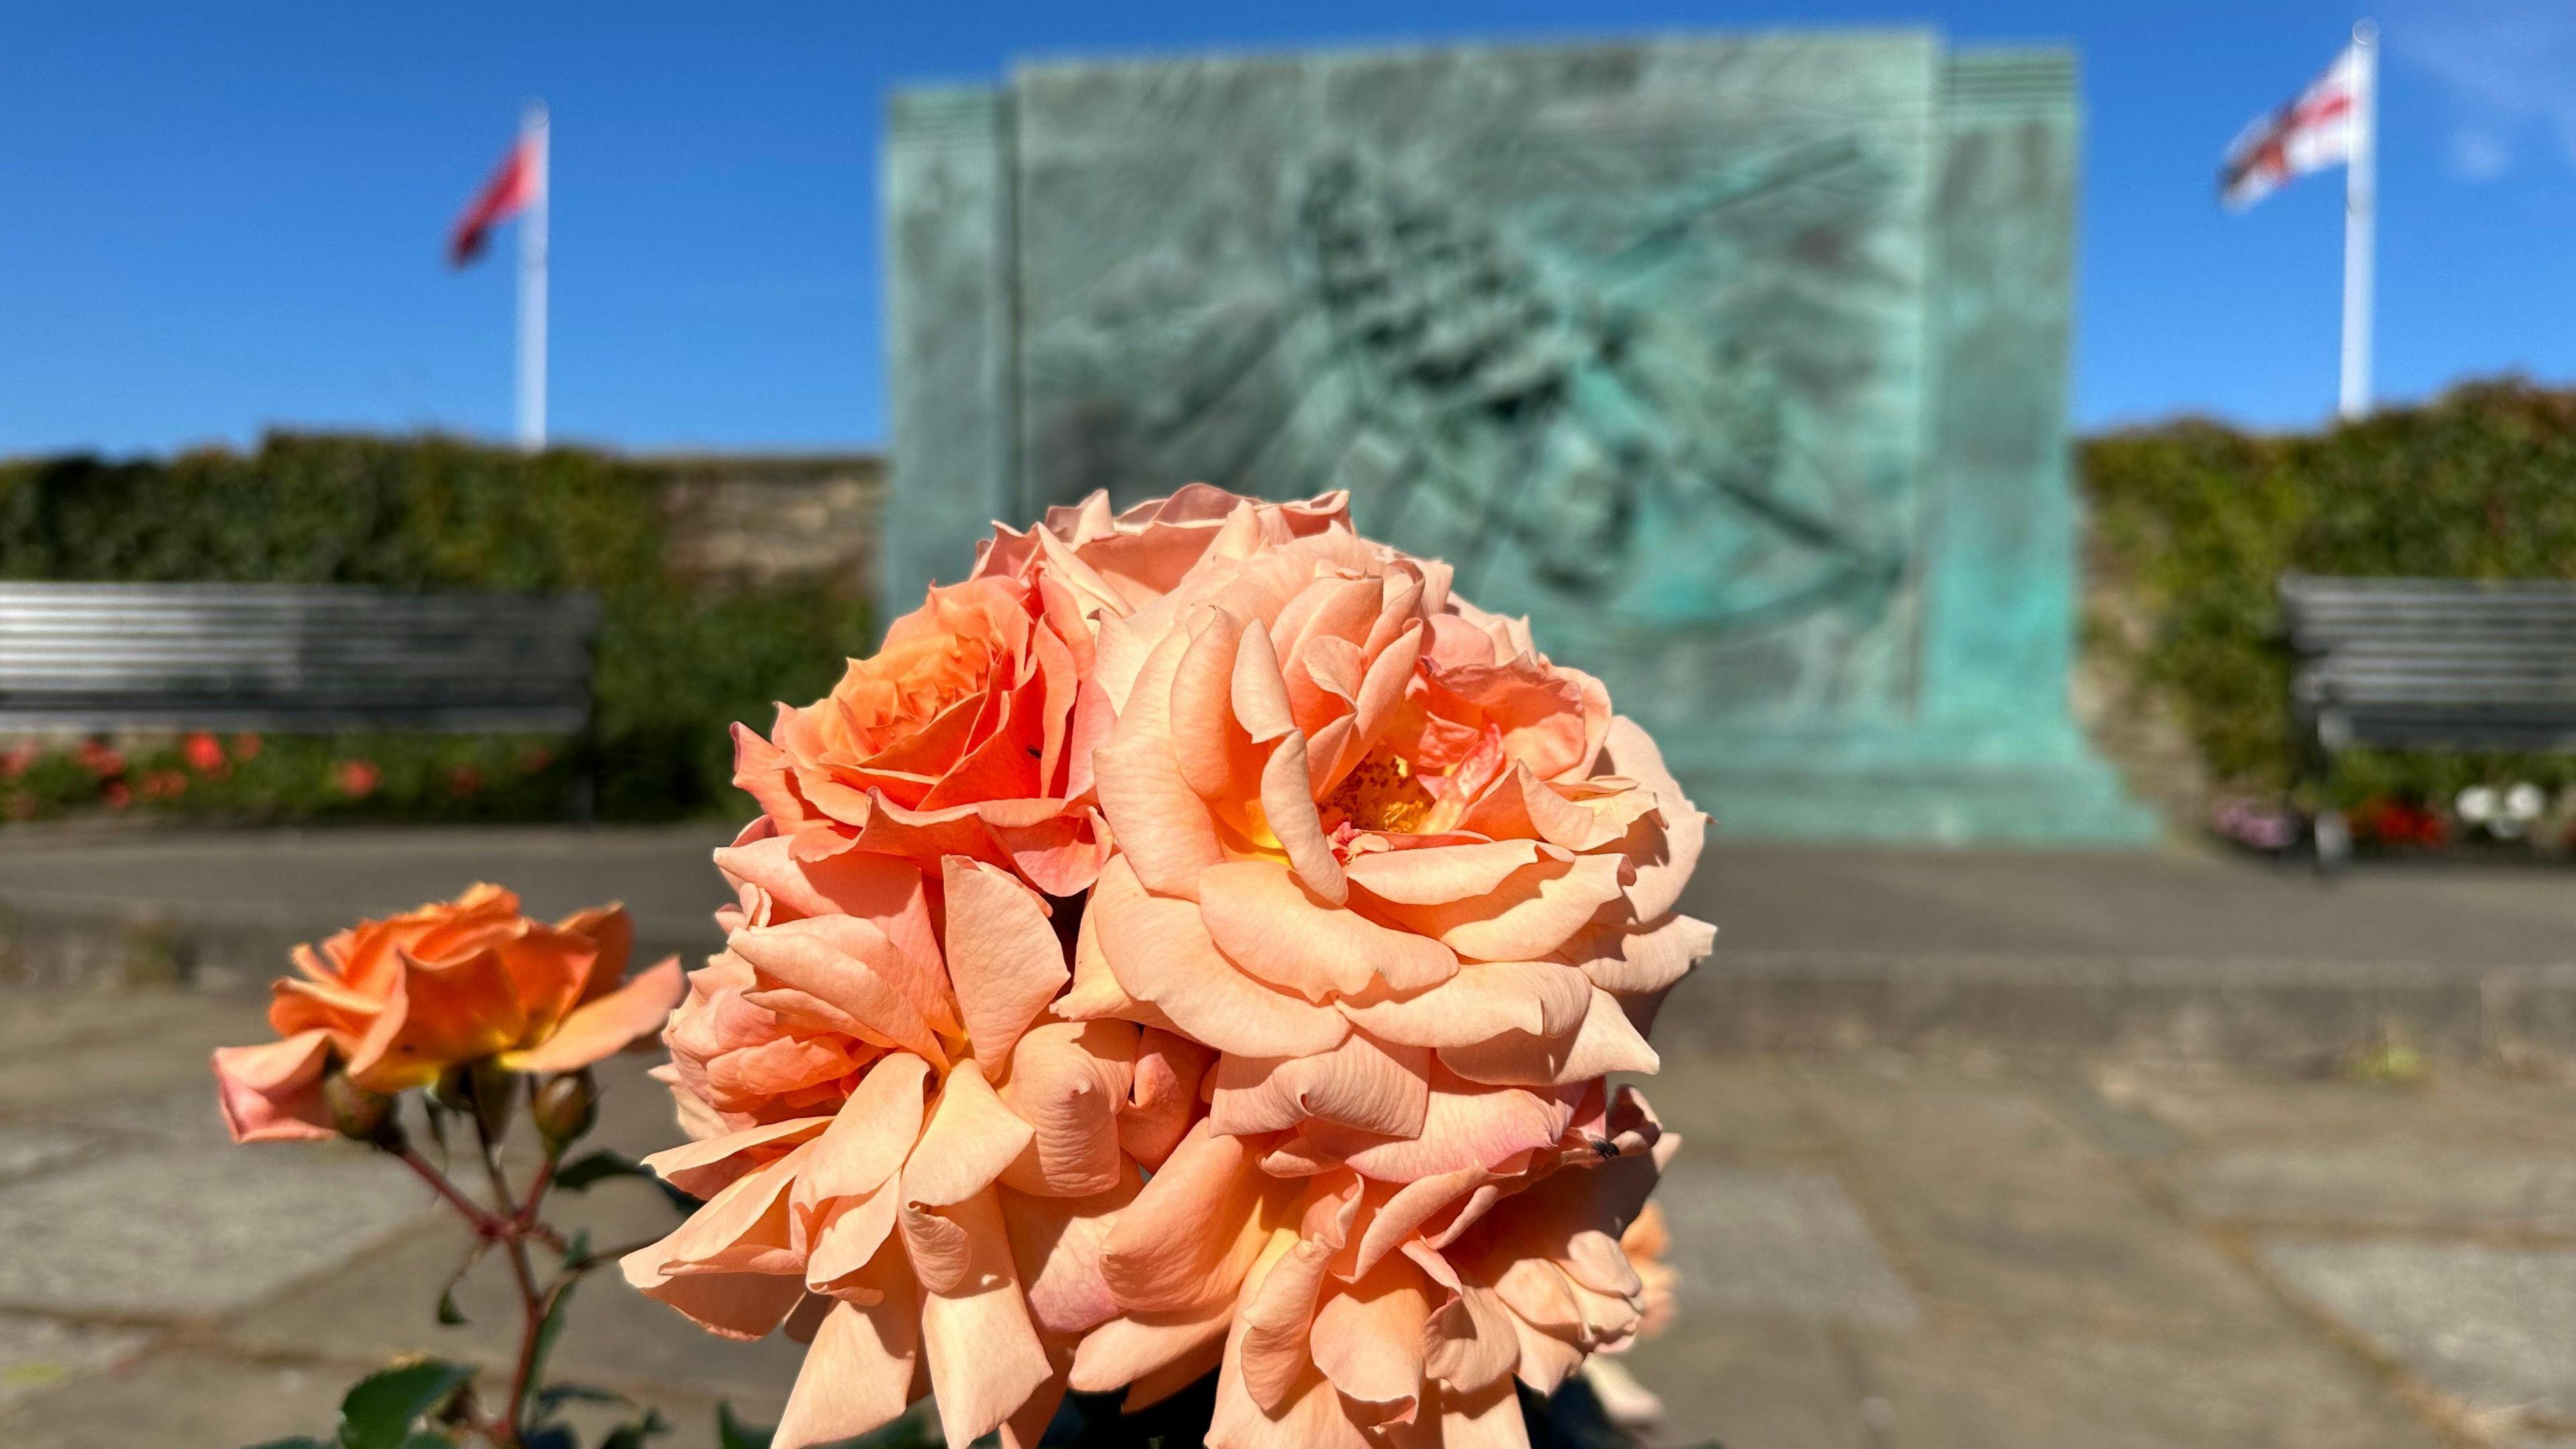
(750, 519)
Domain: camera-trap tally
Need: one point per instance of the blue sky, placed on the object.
(216, 219)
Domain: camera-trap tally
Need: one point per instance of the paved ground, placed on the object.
(1992, 1239)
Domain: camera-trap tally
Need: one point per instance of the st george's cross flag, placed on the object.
(2309, 134)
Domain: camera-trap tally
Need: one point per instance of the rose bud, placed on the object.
(482, 1090)
(564, 1108)
(361, 1115)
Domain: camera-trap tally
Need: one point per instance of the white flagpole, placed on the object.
(533, 132)
(2360, 209)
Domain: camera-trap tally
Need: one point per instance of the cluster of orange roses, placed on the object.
(1198, 940)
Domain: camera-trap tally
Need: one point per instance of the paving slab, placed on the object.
(2494, 1328)
(177, 1399)
(1754, 1381)
(36, 1353)
(2048, 1385)
(196, 1232)
(1749, 1241)
(2462, 1189)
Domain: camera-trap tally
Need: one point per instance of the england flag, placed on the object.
(2309, 134)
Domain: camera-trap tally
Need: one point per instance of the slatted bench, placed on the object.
(2426, 664)
(291, 659)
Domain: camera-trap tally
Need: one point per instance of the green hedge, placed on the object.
(2194, 522)
(678, 659)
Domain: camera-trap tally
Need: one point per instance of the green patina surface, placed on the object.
(1737, 364)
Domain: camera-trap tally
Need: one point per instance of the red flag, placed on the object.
(513, 189)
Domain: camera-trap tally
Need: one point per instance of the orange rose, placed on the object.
(398, 1001)
(1110, 565)
(1347, 1312)
(903, 1161)
(1415, 881)
(955, 738)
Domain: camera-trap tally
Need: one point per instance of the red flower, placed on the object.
(15, 760)
(163, 784)
(205, 753)
(116, 796)
(98, 759)
(357, 779)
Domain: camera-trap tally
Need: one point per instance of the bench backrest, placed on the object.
(291, 658)
(2434, 662)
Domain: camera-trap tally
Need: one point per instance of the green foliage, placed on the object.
(385, 1409)
(2196, 522)
(733, 1433)
(603, 1164)
(676, 663)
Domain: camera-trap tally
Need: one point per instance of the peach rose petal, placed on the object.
(1466, 1126)
(1164, 1089)
(606, 1025)
(1484, 1000)
(1642, 958)
(704, 1167)
(1490, 1419)
(729, 1266)
(857, 1374)
(1003, 955)
(1126, 1349)
(1606, 1042)
(970, 1139)
(1361, 1084)
(1216, 759)
(850, 1234)
(1535, 911)
(1185, 1241)
(872, 1134)
(1277, 1318)
(1056, 1243)
(1441, 874)
(1312, 1416)
(984, 1355)
(1666, 867)
(273, 1091)
(1164, 830)
(1368, 1338)
(1272, 925)
(1068, 1082)
(1469, 1342)
(1095, 992)
(827, 959)
(1161, 952)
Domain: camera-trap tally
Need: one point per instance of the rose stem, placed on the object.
(532, 1304)
(484, 1223)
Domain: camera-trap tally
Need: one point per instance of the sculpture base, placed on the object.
(2079, 802)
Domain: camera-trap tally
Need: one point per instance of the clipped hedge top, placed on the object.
(678, 660)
